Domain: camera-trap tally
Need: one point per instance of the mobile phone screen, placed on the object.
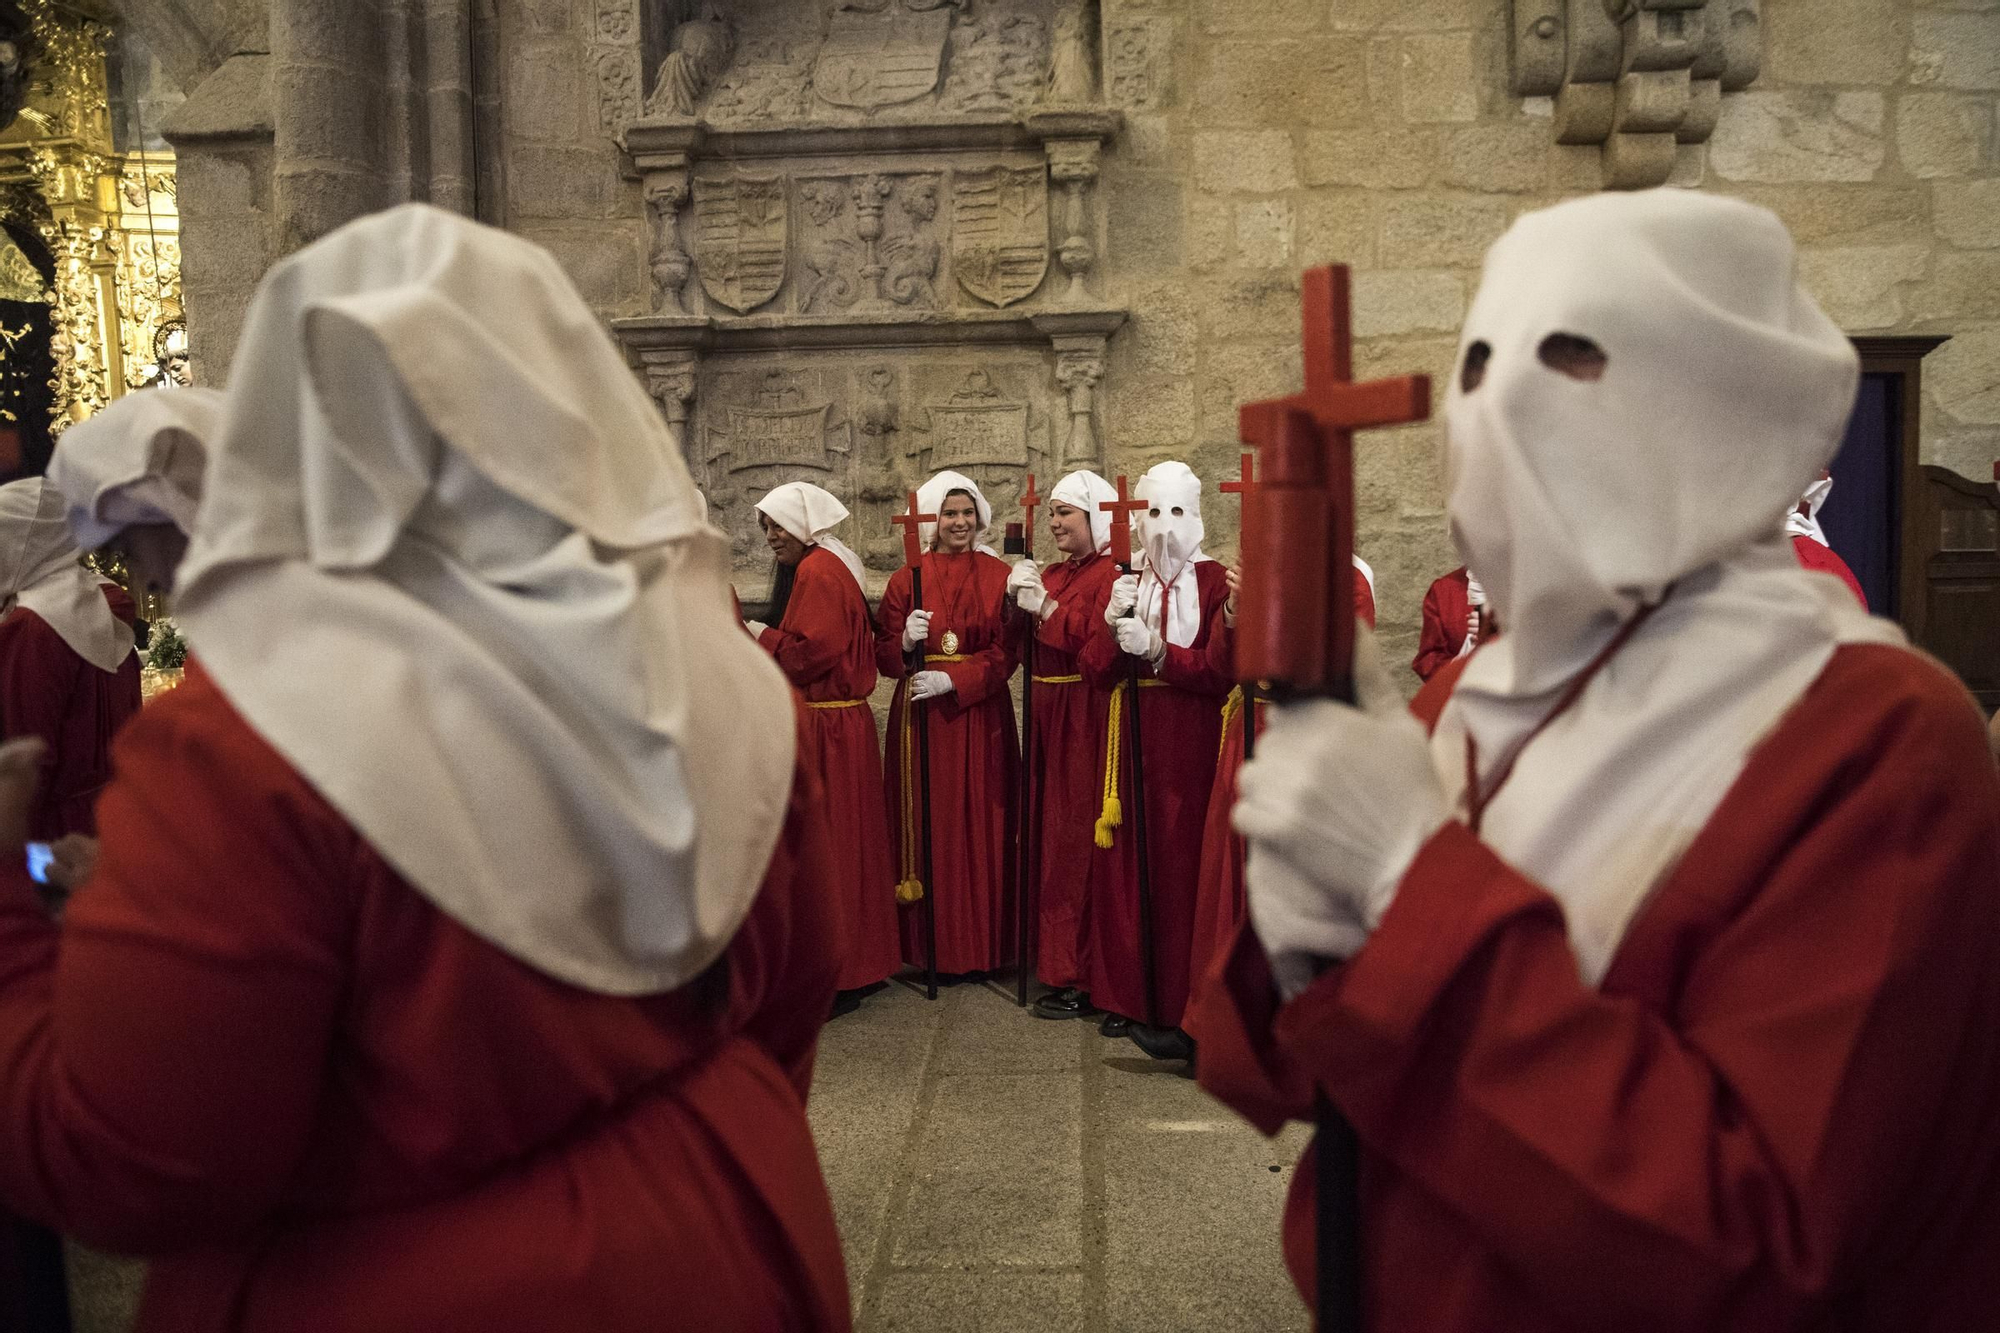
(40, 857)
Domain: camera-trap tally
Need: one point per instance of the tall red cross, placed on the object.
(1246, 480)
(1030, 502)
(1297, 619)
(913, 550)
(1121, 511)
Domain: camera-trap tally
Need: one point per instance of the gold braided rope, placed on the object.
(837, 703)
(909, 889)
(1112, 815)
(1058, 680)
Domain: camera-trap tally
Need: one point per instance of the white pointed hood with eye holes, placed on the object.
(1172, 542)
(1724, 392)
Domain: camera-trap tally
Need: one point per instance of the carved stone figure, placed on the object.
(913, 255)
(770, 78)
(890, 256)
(879, 414)
(702, 50)
(1072, 73)
(829, 258)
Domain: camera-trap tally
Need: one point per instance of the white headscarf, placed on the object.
(1725, 391)
(516, 671)
(1173, 549)
(1089, 492)
(138, 461)
(930, 500)
(810, 513)
(1814, 500)
(40, 564)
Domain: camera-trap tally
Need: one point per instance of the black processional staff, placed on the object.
(1295, 631)
(1020, 540)
(917, 885)
(1121, 511)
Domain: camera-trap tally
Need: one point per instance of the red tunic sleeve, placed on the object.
(1438, 641)
(814, 636)
(1079, 608)
(1189, 668)
(1737, 1159)
(1818, 555)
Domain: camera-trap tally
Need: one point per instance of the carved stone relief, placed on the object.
(1137, 56)
(740, 245)
(702, 50)
(1640, 77)
(1000, 232)
(871, 243)
(977, 425)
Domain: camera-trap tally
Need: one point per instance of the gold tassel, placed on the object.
(910, 891)
(1113, 813)
(1108, 822)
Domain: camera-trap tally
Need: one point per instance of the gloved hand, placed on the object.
(1024, 585)
(916, 629)
(756, 628)
(1335, 806)
(1124, 596)
(1235, 581)
(1472, 619)
(1138, 638)
(930, 685)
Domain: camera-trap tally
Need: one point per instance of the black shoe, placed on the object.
(1066, 1003)
(1162, 1043)
(1114, 1025)
(847, 1001)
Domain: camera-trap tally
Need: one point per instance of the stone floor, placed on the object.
(994, 1173)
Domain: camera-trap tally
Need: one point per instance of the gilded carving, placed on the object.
(1000, 232)
(740, 231)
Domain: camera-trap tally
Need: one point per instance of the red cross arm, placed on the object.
(1030, 502)
(911, 522)
(1121, 511)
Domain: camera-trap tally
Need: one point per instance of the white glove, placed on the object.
(916, 630)
(1124, 596)
(1024, 585)
(1471, 633)
(756, 628)
(1138, 638)
(1335, 806)
(930, 685)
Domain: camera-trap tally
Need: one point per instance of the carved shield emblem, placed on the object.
(739, 241)
(1000, 232)
(872, 60)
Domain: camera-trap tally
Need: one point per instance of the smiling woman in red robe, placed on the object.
(969, 652)
(824, 641)
(474, 985)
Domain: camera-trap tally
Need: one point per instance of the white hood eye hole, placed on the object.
(1473, 373)
(1567, 354)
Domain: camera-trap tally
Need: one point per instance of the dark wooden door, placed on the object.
(1957, 534)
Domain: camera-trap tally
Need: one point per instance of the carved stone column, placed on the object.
(670, 379)
(666, 196)
(1079, 339)
(1073, 166)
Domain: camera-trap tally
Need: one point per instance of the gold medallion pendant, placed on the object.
(950, 643)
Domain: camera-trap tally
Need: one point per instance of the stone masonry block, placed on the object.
(1247, 161)
(1407, 15)
(545, 92)
(1963, 376)
(1211, 233)
(1836, 41)
(1258, 309)
(1860, 286)
(1799, 136)
(1282, 83)
(1439, 231)
(562, 182)
(1956, 51)
(1440, 79)
(1944, 134)
(1407, 301)
(1846, 214)
(1337, 227)
(1504, 158)
(1375, 159)
(1264, 233)
(1961, 287)
(1263, 17)
(1969, 214)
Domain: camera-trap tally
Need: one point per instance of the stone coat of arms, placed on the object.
(739, 241)
(881, 58)
(1000, 232)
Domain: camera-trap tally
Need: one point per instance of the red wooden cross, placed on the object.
(1246, 480)
(912, 544)
(1296, 624)
(1030, 502)
(1121, 511)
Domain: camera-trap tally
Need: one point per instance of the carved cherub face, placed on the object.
(922, 201)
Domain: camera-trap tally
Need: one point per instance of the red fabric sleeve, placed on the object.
(1101, 660)
(1073, 624)
(1189, 668)
(813, 639)
(1817, 555)
(38, 675)
(1727, 1168)
(1434, 643)
(889, 619)
(1364, 600)
(162, 1073)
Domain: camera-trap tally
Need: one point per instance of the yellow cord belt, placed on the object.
(910, 888)
(1057, 680)
(1112, 815)
(836, 703)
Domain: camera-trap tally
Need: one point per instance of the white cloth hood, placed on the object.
(139, 461)
(1807, 524)
(930, 498)
(42, 569)
(1089, 492)
(436, 474)
(1173, 548)
(810, 513)
(1726, 392)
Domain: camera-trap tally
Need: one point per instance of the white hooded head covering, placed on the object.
(42, 571)
(1172, 544)
(544, 714)
(1087, 491)
(139, 461)
(810, 513)
(930, 500)
(1803, 520)
(1725, 390)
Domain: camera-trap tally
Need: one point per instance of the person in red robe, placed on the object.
(1809, 542)
(1070, 714)
(1174, 603)
(473, 985)
(1455, 620)
(1660, 980)
(1220, 905)
(824, 639)
(969, 651)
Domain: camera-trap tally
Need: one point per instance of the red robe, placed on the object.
(1818, 555)
(826, 645)
(1220, 902)
(1181, 726)
(1070, 714)
(1777, 1112)
(47, 690)
(257, 1055)
(975, 760)
(1447, 611)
